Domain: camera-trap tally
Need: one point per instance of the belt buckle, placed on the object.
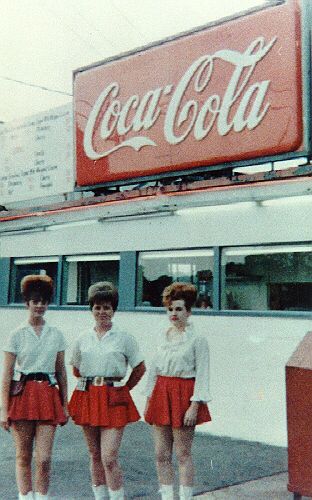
(98, 381)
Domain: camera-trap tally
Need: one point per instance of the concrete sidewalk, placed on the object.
(219, 462)
(270, 488)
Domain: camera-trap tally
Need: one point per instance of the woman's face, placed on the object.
(37, 306)
(102, 313)
(178, 314)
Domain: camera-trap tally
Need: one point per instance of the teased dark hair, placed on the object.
(103, 291)
(37, 285)
(180, 291)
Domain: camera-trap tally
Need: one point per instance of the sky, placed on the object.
(43, 41)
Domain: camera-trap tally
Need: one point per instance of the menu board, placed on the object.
(36, 156)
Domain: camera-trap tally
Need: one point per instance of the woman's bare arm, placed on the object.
(7, 375)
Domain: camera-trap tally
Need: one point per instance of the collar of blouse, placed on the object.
(180, 337)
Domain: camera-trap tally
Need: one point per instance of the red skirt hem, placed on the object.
(39, 401)
(93, 407)
(170, 400)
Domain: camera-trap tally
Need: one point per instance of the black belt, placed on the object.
(39, 377)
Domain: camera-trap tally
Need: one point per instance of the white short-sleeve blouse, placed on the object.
(35, 353)
(108, 356)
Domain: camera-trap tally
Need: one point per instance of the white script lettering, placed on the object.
(185, 116)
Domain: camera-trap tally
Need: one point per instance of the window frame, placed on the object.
(253, 312)
(83, 257)
(197, 250)
(31, 260)
(128, 265)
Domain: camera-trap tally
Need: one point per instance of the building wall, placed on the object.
(237, 224)
(248, 351)
(247, 365)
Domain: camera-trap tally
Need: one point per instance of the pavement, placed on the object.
(225, 468)
(270, 488)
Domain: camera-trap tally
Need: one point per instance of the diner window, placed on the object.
(34, 265)
(81, 271)
(267, 278)
(156, 270)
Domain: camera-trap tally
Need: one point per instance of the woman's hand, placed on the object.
(190, 416)
(136, 375)
(65, 408)
(146, 406)
(4, 422)
(7, 375)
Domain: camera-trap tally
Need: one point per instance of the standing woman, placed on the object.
(101, 402)
(32, 404)
(178, 390)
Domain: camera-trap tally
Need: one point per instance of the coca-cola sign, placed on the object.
(223, 94)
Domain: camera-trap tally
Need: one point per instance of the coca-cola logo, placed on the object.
(139, 114)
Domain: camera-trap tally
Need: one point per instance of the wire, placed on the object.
(135, 28)
(84, 40)
(34, 85)
(95, 29)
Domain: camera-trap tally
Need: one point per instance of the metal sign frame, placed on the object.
(306, 11)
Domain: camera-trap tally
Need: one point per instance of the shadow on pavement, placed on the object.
(219, 462)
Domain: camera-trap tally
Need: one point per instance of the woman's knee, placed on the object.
(183, 456)
(43, 463)
(95, 455)
(163, 457)
(23, 458)
(109, 460)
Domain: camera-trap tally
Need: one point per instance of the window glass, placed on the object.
(24, 266)
(81, 271)
(267, 278)
(156, 270)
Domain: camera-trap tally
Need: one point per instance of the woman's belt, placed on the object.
(17, 385)
(41, 377)
(99, 380)
(84, 382)
(38, 376)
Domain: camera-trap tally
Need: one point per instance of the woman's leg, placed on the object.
(163, 438)
(183, 440)
(23, 433)
(110, 444)
(93, 439)
(43, 452)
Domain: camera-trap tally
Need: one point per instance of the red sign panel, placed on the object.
(227, 93)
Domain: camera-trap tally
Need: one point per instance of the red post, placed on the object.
(299, 418)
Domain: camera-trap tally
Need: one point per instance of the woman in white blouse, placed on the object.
(101, 402)
(32, 404)
(178, 390)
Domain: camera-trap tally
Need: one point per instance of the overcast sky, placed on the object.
(43, 41)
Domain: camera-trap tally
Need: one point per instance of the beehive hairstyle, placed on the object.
(103, 291)
(180, 291)
(39, 286)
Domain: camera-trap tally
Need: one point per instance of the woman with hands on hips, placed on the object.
(101, 402)
(34, 388)
(177, 390)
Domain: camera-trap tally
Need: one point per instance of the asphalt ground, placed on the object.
(219, 462)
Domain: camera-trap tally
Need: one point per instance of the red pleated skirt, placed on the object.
(39, 401)
(169, 401)
(93, 407)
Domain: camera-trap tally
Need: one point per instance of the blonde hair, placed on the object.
(103, 291)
